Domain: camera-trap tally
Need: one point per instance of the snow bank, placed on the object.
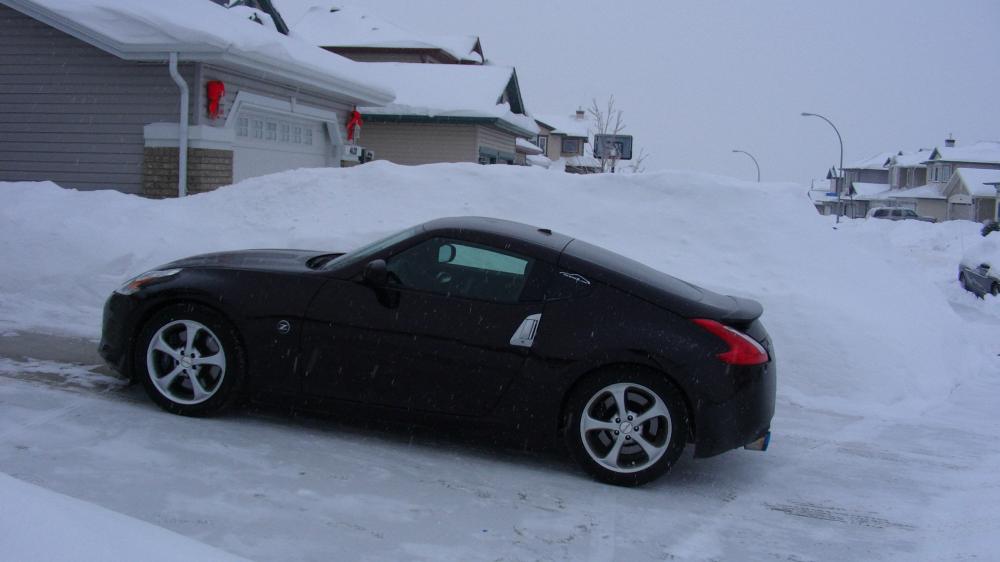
(985, 251)
(851, 328)
(42, 525)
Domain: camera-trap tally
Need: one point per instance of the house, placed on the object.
(865, 180)
(101, 86)
(450, 107)
(907, 169)
(566, 141)
(354, 32)
(446, 113)
(972, 194)
(945, 199)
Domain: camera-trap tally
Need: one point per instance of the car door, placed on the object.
(447, 333)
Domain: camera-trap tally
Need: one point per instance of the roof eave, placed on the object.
(354, 92)
(449, 119)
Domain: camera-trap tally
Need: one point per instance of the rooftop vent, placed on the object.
(950, 141)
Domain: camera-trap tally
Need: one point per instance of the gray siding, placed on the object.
(236, 81)
(491, 137)
(421, 143)
(72, 113)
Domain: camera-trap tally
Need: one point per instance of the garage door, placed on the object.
(267, 143)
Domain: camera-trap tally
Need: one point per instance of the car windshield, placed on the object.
(359, 254)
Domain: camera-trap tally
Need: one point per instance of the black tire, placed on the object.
(665, 434)
(995, 289)
(215, 340)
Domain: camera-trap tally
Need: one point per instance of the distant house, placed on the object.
(100, 106)
(943, 161)
(907, 169)
(359, 35)
(865, 181)
(945, 199)
(446, 113)
(566, 140)
(870, 170)
(972, 194)
(450, 107)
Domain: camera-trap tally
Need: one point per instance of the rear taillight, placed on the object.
(743, 350)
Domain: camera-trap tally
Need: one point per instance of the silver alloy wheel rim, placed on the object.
(625, 427)
(186, 362)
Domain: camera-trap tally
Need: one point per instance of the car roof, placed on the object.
(538, 236)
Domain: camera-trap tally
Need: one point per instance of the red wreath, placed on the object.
(215, 92)
(352, 123)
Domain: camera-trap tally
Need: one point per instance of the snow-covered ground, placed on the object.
(883, 433)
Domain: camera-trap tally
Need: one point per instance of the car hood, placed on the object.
(255, 260)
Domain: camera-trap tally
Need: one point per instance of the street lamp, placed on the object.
(754, 162)
(840, 206)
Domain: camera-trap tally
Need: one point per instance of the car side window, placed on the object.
(880, 213)
(462, 269)
(896, 213)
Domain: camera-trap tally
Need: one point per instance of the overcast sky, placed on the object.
(698, 79)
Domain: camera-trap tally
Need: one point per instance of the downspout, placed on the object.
(182, 133)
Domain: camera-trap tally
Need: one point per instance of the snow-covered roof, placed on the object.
(567, 125)
(926, 191)
(984, 152)
(980, 182)
(910, 159)
(204, 31)
(870, 191)
(876, 162)
(334, 23)
(526, 146)
(448, 90)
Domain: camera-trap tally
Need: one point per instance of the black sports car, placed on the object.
(476, 319)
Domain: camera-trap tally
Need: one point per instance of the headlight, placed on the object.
(140, 281)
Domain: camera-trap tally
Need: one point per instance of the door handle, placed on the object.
(524, 335)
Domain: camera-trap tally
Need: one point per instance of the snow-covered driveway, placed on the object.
(271, 486)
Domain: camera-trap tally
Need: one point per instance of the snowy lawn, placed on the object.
(887, 380)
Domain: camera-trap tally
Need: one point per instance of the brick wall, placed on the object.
(207, 169)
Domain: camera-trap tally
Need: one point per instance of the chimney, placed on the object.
(579, 114)
(950, 141)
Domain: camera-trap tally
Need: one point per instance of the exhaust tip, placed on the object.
(760, 444)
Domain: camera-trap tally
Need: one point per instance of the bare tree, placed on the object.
(609, 120)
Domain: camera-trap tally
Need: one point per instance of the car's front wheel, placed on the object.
(626, 427)
(189, 360)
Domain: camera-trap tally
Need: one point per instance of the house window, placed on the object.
(308, 138)
(297, 135)
(941, 173)
(272, 131)
(543, 143)
(258, 129)
(571, 146)
(286, 132)
(243, 127)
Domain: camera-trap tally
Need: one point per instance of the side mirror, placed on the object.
(376, 273)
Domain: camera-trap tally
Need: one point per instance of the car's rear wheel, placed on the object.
(626, 427)
(189, 360)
